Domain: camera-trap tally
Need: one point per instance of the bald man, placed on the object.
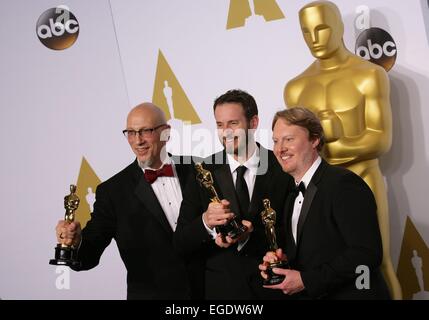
(138, 207)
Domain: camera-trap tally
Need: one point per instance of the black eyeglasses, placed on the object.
(145, 132)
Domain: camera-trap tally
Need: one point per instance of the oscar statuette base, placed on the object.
(233, 228)
(65, 256)
(274, 278)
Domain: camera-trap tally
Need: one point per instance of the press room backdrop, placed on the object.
(66, 90)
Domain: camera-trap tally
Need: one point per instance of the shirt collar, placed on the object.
(167, 160)
(310, 172)
(251, 164)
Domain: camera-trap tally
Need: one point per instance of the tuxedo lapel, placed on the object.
(258, 189)
(263, 177)
(181, 175)
(145, 194)
(223, 177)
(308, 198)
(287, 221)
(181, 165)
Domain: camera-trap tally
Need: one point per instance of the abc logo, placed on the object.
(377, 46)
(57, 28)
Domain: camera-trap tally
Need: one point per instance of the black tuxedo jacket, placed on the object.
(337, 232)
(127, 210)
(229, 273)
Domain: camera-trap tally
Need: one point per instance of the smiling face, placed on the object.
(149, 147)
(322, 29)
(293, 149)
(234, 130)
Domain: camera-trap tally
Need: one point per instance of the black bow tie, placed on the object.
(299, 188)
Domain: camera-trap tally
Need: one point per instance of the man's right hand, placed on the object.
(217, 214)
(69, 234)
(271, 257)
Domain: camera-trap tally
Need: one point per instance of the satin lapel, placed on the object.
(309, 196)
(260, 188)
(308, 199)
(288, 209)
(182, 166)
(223, 178)
(146, 195)
(181, 174)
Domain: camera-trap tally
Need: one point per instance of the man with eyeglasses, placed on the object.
(139, 207)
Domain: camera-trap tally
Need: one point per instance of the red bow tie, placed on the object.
(152, 175)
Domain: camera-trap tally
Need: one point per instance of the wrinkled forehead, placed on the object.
(142, 119)
(284, 128)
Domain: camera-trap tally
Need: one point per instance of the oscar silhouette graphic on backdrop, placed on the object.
(351, 97)
(90, 199)
(413, 265)
(168, 94)
(87, 183)
(417, 263)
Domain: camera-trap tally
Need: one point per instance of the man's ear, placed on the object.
(165, 134)
(315, 142)
(254, 122)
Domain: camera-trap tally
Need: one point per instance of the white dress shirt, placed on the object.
(300, 198)
(169, 194)
(252, 165)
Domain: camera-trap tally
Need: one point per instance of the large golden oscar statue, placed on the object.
(351, 98)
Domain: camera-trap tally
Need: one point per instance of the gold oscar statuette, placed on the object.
(268, 216)
(233, 228)
(351, 97)
(66, 255)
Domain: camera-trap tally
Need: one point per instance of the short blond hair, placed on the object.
(304, 118)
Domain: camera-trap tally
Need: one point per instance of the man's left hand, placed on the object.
(292, 282)
(225, 242)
